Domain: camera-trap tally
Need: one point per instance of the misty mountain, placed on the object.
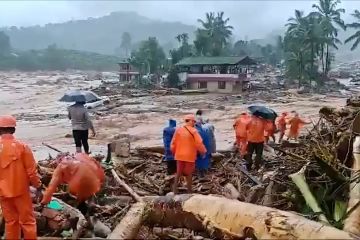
(101, 35)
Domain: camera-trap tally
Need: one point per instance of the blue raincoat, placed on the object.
(203, 163)
(168, 134)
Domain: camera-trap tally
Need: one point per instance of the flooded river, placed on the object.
(33, 99)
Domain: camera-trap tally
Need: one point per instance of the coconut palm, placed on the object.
(355, 26)
(214, 35)
(329, 16)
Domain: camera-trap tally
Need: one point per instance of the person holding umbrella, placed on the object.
(80, 119)
(81, 123)
(260, 122)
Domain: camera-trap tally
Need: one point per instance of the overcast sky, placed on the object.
(249, 18)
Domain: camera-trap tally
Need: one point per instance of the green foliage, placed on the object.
(213, 36)
(5, 46)
(309, 40)
(356, 26)
(173, 80)
(54, 58)
(185, 49)
(150, 57)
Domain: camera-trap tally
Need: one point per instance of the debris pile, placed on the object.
(311, 177)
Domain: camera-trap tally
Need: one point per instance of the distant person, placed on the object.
(281, 125)
(240, 132)
(271, 133)
(17, 172)
(296, 123)
(256, 128)
(185, 145)
(211, 132)
(168, 134)
(81, 123)
(199, 116)
(203, 162)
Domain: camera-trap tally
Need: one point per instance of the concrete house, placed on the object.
(216, 74)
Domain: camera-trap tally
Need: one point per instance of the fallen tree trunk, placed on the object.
(352, 222)
(130, 225)
(224, 218)
(127, 187)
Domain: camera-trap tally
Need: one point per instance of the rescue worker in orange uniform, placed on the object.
(82, 173)
(281, 125)
(296, 123)
(271, 133)
(256, 128)
(185, 145)
(240, 132)
(18, 171)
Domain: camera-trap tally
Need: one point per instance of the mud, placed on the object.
(32, 98)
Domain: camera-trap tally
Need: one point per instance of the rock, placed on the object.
(68, 135)
(121, 146)
(100, 229)
(220, 108)
(231, 192)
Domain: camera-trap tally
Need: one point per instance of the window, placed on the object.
(202, 85)
(221, 85)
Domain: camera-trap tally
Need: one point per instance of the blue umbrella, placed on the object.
(79, 96)
(262, 111)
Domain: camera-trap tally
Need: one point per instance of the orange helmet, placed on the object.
(7, 121)
(189, 117)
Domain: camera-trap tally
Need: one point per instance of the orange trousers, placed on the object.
(242, 145)
(18, 214)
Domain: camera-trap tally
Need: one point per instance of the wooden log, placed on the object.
(352, 222)
(130, 225)
(127, 187)
(236, 219)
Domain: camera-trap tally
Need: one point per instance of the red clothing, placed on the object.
(256, 129)
(17, 171)
(83, 174)
(185, 168)
(186, 143)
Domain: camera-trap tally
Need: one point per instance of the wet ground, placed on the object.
(32, 97)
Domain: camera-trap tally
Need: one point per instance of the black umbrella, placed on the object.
(262, 111)
(79, 96)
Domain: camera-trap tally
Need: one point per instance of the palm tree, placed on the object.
(356, 35)
(214, 35)
(329, 15)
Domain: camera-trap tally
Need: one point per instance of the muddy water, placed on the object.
(32, 97)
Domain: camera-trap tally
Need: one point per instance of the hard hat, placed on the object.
(7, 121)
(189, 117)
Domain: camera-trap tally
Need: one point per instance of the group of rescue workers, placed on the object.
(18, 171)
(189, 148)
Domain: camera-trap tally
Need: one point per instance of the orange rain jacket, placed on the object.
(281, 123)
(186, 143)
(296, 124)
(256, 128)
(17, 168)
(83, 174)
(240, 125)
(17, 172)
